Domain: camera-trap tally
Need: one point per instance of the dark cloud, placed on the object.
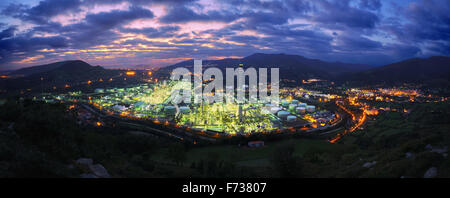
(181, 13)
(9, 32)
(341, 13)
(115, 17)
(430, 19)
(257, 18)
(370, 4)
(26, 45)
(353, 43)
(165, 31)
(42, 12)
(427, 23)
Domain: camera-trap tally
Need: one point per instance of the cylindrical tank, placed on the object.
(302, 104)
(310, 108)
(275, 109)
(170, 110)
(292, 107)
(291, 118)
(184, 109)
(283, 114)
(300, 109)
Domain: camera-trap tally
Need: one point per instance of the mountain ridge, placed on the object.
(27, 71)
(409, 70)
(291, 66)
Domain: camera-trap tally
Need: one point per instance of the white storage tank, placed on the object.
(275, 109)
(300, 109)
(170, 110)
(310, 108)
(185, 110)
(291, 118)
(302, 105)
(283, 114)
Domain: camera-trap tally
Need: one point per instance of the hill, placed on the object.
(55, 74)
(49, 67)
(424, 70)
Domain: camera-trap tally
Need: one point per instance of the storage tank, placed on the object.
(285, 104)
(302, 105)
(170, 110)
(282, 114)
(294, 101)
(300, 110)
(291, 118)
(185, 110)
(275, 109)
(292, 107)
(310, 108)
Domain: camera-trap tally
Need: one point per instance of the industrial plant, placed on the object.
(151, 101)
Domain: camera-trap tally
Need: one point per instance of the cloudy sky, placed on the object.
(157, 33)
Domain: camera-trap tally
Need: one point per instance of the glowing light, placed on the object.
(131, 73)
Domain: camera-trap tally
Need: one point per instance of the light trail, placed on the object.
(360, 122)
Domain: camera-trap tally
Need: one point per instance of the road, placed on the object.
(359, 122)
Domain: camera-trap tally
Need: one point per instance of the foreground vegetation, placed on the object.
(44, 140)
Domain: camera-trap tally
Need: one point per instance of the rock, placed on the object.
(84, 161)
(99, 171)
(88, 175)
(96, 170)
(439, 150)
(430, 173)
(409, 155)
(369, 164)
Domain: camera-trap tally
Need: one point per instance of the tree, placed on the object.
(284, 161)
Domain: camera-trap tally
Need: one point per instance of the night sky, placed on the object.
(158, 33)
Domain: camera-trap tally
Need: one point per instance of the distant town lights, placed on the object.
(130, 73)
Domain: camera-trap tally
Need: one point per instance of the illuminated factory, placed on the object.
(151, 101)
